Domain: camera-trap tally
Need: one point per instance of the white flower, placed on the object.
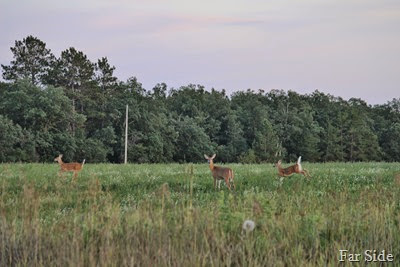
(248, 225)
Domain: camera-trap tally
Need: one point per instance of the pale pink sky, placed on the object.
(348, 48)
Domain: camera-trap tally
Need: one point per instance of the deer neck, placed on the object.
(211, 165)
(279, 167)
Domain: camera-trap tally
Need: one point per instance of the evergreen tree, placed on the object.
(74, 72)
(32, 61)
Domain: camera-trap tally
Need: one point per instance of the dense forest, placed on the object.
(76, 107)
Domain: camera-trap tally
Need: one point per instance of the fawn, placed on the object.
(72, 167)
(220, 173)
(291, 169)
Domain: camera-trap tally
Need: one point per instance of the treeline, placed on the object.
(76, 107)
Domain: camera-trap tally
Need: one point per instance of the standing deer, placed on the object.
(297, 168)
(220, 173)
(72, 167)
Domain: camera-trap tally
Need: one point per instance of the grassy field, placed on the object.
(170, 214)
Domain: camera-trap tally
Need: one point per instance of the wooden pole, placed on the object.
(126, 136)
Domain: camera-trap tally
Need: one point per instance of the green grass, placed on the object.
(170, 214)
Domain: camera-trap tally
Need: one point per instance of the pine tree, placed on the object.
(32, 61)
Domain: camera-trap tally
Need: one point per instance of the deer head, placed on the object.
(59, 158)
(209, 159)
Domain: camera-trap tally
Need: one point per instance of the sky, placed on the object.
(347, 48)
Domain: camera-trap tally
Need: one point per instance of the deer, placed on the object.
(72, 167)
(297, 168)
(220, 173)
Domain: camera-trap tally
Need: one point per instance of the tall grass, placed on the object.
(170, 214)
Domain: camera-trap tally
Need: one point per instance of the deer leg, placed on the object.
(228, 184)
(231, 183)
(215, 185)
(231, 179)
(219, 184)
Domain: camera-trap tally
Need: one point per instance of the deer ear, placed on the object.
(61, 155)
(213, 156)
(205, 156)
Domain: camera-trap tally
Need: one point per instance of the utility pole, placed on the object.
(126, 136)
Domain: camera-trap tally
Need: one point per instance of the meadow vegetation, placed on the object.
(170, 214)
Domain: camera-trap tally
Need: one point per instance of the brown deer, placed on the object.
(297, 168)
(71, 167)
(220, 173)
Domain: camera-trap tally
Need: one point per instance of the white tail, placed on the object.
(220, 173)
(299, 164)
(72, 167)
(297, 168)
